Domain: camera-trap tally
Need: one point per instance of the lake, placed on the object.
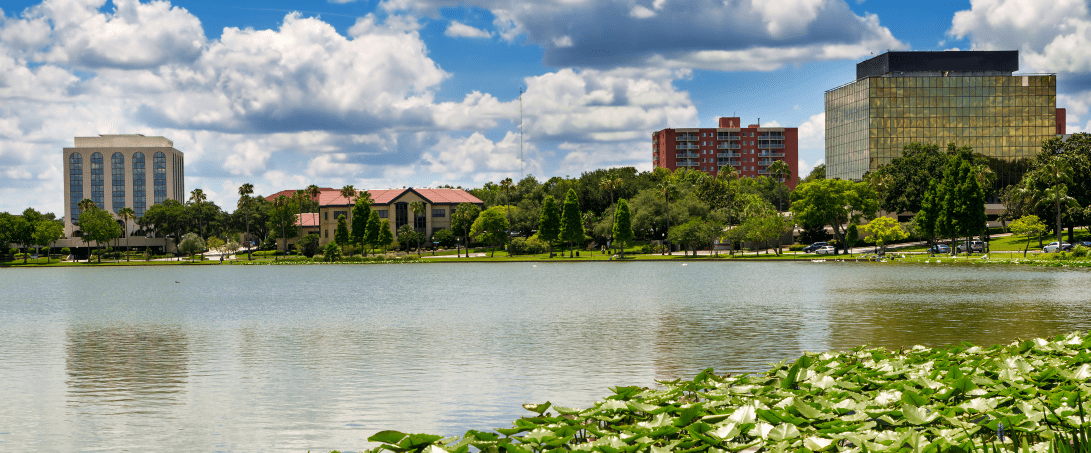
(298, 358)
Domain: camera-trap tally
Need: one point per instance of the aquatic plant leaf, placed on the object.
(916, 415)
(783, 431)
(387, 437)
(537, 408)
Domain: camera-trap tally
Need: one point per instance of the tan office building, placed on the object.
(118, 171)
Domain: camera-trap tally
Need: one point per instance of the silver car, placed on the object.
(975, 246)
(1054, 247)
(826, 250)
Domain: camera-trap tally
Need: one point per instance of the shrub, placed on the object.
(332, 252)
(532, 246)
(14, 251)
(66, 251)
(795, 247)
(1080, 252)
(659, 248)
(646, 249)
(445, 238)
(308, 245)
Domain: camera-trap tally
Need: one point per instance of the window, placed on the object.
(327, 233)
(327, 215)
(401, 215)
(117, 176)
(338, 214)
(140, 190)
(75, 185)
(159, 168)
(382, 213)
(98, 192)
(439, 213)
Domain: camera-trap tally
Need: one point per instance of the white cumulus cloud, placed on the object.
(460, 30)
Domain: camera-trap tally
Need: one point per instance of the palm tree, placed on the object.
(126, 215)
(1049, 184)
(300, 198)
(348, 192)
(667, 188)
(197, 197)
(611, 185)
(245, 191)
(781, 170)
(507, 184)
(314, 192)
(418, 211)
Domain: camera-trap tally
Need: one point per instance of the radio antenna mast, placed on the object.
(520, 133)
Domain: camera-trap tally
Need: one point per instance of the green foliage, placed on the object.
(407, 236)
(491, 226)
(445, 238)
(1030, 227)
(66, 251)
(332, 252)
(191, 244)
(308, 245)
(623, 225)
(528, 246)
(361, 219)
(905, 180)
(1080, 251)
(833, 202)
(961, 198)
(341, 234)
(962, 398)
(386, 237)
(571, 225)
(852, 235)
(549, 225)
(885, 230)
(817, 173)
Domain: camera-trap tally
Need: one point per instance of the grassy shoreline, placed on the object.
(1028, 396)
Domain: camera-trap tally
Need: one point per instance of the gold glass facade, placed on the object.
(868, 122)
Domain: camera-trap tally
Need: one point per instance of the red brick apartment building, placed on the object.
(749, 149)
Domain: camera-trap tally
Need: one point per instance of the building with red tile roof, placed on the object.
(392, 204)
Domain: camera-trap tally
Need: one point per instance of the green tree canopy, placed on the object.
(884, 230)
(341, 234)
(833, 202)
(386, 237)
(623, 225)
(961, 199)
(1030, 227)
(571, 220)
(361, 215)
(491, 226)
(549, 224)
(191, 244)
(371, 235)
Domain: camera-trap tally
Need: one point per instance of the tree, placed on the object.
(884, 230)
(308, 245)
(371, 233)
(905, 180)
(407, 235)
(245, 191)
(126, 215)
(300, 198)
(491, 226)
(23, 231)
(169, 218)
(667, 189)
(191, 244)
(549, 224)
(623, 225)
(386, 237)
(98, 225)
(197, 198)
(315, 194)
(348, 192)
(282, 217)
(1048, 184)
(571, 221)
(852, 236)
(46, 232)
(817, 173)
(332, 252)
(506, 184)
(418, 208)
(444, 237)
(961, 200)
(833, 202)
(1030, 227)
(341, 235)
(783, 173)
(361, 215)
(462, 221)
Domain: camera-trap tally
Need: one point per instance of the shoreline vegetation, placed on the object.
(1027, 396)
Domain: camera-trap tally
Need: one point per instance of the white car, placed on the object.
(1054, 247)
(826, 250)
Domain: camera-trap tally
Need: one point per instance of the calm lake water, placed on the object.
(298, 358)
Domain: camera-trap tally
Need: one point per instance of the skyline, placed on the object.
(419, 93)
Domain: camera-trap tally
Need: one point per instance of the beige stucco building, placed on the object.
(118, 171)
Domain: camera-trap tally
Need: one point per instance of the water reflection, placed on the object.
(126, 369)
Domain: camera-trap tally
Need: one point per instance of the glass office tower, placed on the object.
(966, 98)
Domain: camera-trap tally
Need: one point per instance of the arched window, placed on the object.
(140, 188)
(75, 185)
(117, 177)
(159, 169)
(98, 190)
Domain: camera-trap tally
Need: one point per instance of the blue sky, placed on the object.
(391, 93)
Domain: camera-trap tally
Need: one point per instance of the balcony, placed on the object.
(686, 155)
(729, 155)
(687, 146)
(764, 171)
(686, 137)
(727, 136)
(769, 154)
(734, 145)
(770, 145)
(766, 161)
(687, 164)
(773, 136)
(732, 162)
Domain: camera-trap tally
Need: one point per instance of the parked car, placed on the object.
(939, 248)
(826, 250)
(1085, 244)
(1054, 247)
(974, 246)
(814, 247)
